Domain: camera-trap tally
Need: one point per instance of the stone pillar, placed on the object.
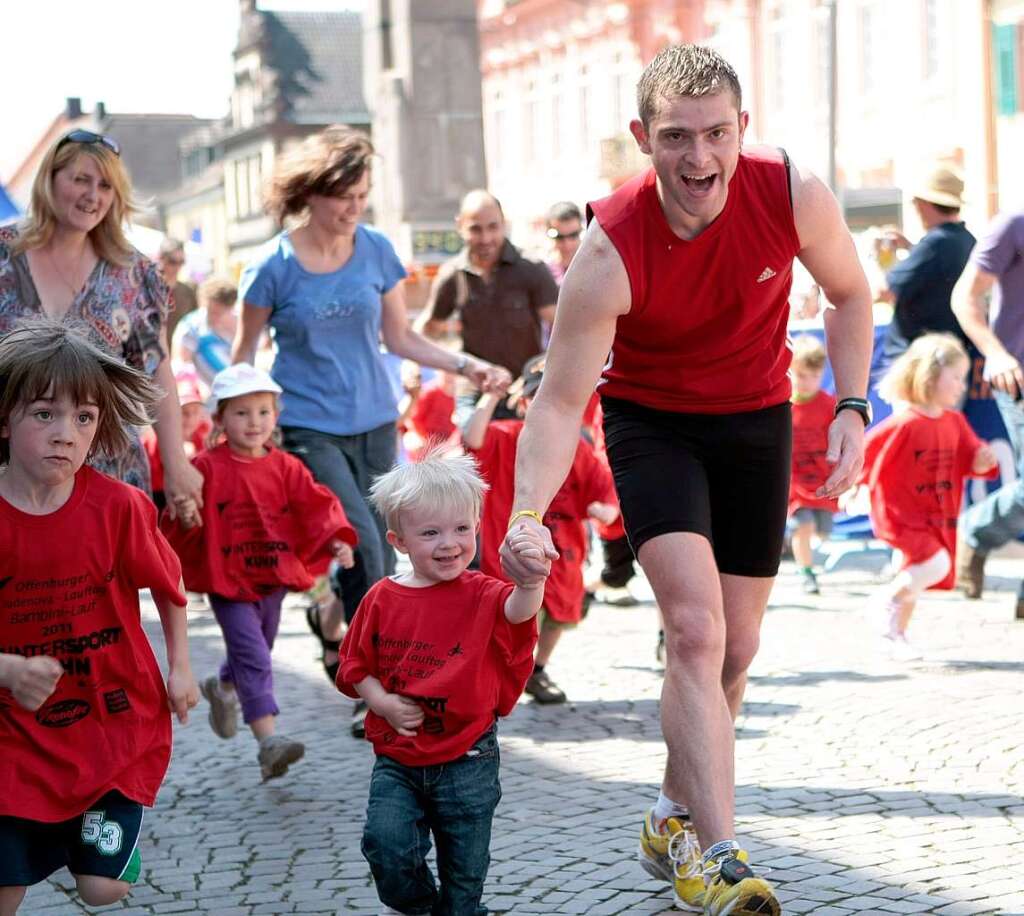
(422, 85)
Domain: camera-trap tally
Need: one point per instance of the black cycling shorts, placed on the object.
(724, 476)
(103, 841)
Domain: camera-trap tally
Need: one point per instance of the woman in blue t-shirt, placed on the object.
(331, 290)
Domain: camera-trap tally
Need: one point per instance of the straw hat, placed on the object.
(941, 186)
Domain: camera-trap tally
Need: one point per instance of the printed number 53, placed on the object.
(105, 835)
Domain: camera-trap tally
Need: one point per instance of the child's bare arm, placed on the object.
(475, 429)
(30, 680)
(403, 715)
(984, 459)
(182, 691)
(605, 513)
(524, 603)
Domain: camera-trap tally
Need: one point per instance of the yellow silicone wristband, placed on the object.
(529, 513)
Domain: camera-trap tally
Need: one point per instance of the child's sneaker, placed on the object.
(734, 889)
(223, 707)
(543, 689)
(810, 584)
(277, 753)
(901, 649)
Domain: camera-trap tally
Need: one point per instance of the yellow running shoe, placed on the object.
(688, 881)
(734, 889)
(653, 853)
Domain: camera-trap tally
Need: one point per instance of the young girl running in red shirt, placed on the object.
(915, 463)
(84, 721)
(267, 529)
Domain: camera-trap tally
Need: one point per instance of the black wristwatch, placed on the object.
(860, 405)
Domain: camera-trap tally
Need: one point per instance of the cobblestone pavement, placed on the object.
(868, 786)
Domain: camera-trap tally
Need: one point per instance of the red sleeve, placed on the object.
(967, 449)
(513, 643)
(598, 485)
(322, 518)
(358, 654)
(147, 560)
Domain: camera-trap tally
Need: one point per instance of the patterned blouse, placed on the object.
(124, 309)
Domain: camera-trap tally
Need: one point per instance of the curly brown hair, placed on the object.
(46, 359)
(327, 164)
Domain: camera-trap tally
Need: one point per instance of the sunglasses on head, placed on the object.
(87, 136)
(560, 236)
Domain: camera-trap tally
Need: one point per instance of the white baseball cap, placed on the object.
(240, 379)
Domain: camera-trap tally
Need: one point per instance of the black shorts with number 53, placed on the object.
(103, 841)
(724, 476)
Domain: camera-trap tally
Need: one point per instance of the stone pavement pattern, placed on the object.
(868, 786)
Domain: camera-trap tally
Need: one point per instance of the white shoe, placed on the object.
(901, 649)
(387, 911)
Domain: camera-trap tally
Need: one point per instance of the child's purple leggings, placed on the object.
(249, 628)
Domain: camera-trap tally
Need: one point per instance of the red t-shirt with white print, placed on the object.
(915, 467)
(69, 587)
(266, 525)
(450, 648)
(589, 480)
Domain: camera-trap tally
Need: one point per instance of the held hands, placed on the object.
(182, 692)
(845, 453)
(527, 552)
(488, 378)
(33, 680)
(183, 486)
(402, 714)
(343, 554)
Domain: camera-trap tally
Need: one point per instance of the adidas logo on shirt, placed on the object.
(766, 274)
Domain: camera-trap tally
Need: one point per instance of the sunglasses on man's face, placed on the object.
(562, 236)
(87, 136)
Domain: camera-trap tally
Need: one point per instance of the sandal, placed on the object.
(326, 645)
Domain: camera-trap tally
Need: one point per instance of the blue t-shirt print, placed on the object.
(326, 328)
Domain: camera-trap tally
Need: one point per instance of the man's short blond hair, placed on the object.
(440, 481)
(808, 353)
(685, 70)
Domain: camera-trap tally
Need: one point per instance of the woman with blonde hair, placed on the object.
(70, 261)
(330, 288)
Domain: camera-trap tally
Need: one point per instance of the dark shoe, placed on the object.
(971, 572)
(326, 645)
(1020, 607)
(543, 689)
(659, 650)
(359, 719)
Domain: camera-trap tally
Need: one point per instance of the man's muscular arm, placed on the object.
(592, 297)
(828, 253)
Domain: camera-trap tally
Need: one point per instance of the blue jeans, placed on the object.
(453, 801)
(1000, 517)
(346, 465)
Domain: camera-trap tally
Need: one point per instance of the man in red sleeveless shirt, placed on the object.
(677, 306)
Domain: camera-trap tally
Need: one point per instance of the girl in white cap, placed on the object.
(266, 528)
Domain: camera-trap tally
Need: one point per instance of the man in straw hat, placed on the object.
(920, 287)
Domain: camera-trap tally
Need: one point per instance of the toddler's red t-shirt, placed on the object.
(266, 525)
(914, 467)
(69, 588)
(450, 648)
(589, 480)
(811, 420)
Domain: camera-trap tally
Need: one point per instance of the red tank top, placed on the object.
(706, 330)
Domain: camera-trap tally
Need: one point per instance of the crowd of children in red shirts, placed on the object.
(266, 527)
